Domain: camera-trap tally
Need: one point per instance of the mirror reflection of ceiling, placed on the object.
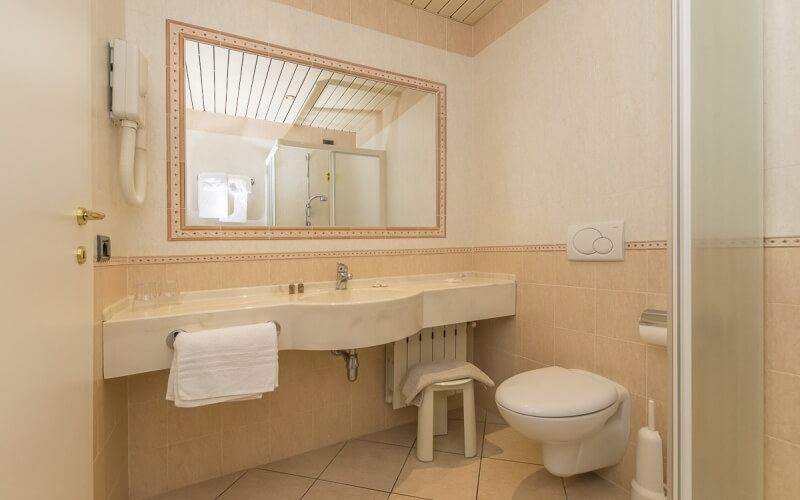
(236, 83)
(464, 11)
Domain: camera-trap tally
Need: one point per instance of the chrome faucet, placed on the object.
(342, 276)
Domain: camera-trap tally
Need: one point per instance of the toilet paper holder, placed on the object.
(653, 317)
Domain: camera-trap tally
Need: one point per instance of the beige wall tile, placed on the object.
(403, 20)
(484, 32)
(369, 14)
(622, 362)
(575, 309)
(459, 37)
(433, 30)
(782, 275)
(509, 13)
(296, 390)
(290, 435)
(574, 349)
(573, 273)
(335, 9)
(331, 387)
(148, 425)
(537, 305)
(245, 447)
(782, 406)
(658, 373)
(300, 4)
(147, 386)
(331, 424)
(239, 413)
(630, 274)
(196, 275)
(285, 270)
(243, 273)
(540, 343)
(657, 271)
(193, 461)
(618, 314)
(148, 472)
(538, 267)
(531, 6)
(144, 273)
(781, 339)
(782, 461)
(184, 424)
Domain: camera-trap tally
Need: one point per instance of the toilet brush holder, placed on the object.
(648, 483)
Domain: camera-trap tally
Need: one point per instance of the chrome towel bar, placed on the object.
(170, 340)
(653, 317)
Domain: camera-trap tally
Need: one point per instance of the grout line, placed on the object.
(331, 461)
(308, 489)
(564, 486)
(232, 483)
(381, 442)
(394, 485)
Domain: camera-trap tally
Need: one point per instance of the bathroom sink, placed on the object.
(322, 318)
(354, 295)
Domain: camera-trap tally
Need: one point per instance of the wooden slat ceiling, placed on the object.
(236, 83)
(464, 11)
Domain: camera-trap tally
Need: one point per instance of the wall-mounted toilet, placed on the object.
(581, 419)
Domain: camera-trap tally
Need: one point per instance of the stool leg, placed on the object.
(470, 447)
(439, 413)
(425, 427)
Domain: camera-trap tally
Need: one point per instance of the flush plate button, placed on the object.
(598, 241)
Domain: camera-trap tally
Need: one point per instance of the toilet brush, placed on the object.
(648, 484)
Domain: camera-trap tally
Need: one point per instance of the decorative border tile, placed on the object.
(182, 259)
(177, 230)
(782, 241)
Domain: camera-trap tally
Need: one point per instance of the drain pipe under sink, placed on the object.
(350, 361)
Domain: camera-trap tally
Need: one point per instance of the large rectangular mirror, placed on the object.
(271, 142)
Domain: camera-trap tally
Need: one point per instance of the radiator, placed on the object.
(430, 344)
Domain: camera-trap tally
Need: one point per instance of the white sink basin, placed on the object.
(322, 318)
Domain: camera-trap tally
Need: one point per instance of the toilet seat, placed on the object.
(555, 392)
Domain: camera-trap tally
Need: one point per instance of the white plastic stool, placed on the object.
(432, 417)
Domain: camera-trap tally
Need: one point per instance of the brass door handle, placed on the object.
(84, 216)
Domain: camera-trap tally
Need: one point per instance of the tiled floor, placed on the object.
(383, 466)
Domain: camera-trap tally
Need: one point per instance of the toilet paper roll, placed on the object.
(653, 334)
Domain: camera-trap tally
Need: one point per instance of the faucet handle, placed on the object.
(341, 268)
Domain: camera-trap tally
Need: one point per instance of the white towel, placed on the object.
(223, 364)
(422, 375)
(239, 186)
(212, 195)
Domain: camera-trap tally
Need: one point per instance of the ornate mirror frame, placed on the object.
(177, 228)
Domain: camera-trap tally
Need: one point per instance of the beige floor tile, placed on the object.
(395, 496)
(453, 441)
(323, 490)
(447, 477)
(503, 442)
(210, 489)
(501, 479)
(592, 487)
(403, 435)
(309, 464)
(262, 484)
(366, 464)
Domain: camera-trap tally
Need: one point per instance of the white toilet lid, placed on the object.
(555, 392)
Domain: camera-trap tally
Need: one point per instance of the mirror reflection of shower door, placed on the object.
(359, 195)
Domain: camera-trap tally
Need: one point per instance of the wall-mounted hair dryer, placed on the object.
(128, 81)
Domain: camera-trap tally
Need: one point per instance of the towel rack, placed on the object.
(170, 340)
(653, 317)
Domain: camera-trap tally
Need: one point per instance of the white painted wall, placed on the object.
(572, 123)
(45, 296)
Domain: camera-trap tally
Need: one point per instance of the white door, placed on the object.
(45, 296)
